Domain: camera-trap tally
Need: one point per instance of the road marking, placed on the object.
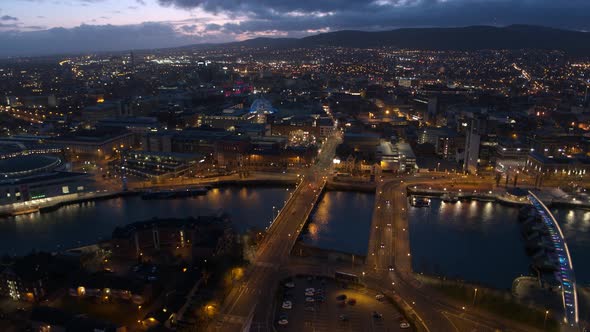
(444, 313)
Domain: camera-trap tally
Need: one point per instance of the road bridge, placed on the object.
(253, 298)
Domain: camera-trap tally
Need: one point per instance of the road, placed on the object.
(389, 263)
(253, 298)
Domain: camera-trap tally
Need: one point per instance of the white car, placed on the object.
(379, 297)
(290, 285)
(404, 325)
(287, 305)
(310, 289)
(283, 322)
(309, 293)
(309, 299)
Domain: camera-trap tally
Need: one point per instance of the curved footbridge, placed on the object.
(565, 275)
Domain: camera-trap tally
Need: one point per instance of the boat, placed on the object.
(419, 201)
(171, 194)
(447, 198)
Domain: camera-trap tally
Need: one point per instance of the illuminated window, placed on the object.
(65, 189)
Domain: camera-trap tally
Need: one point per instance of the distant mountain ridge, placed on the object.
(464, 38)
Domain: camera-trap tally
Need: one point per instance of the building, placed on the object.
(551, 143)
(25, 180)
(307, 124)
(103, 110)
(32, 277)
(226, 119)
(475, 128)
(94, 143)
(514, 150)
(445, 141)
(27, 165)
(160, 165)
(405, 157)
(203, 236)
(576, 165)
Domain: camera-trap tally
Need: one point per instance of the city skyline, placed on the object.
(108, 25)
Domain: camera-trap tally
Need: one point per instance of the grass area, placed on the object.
(501, 306)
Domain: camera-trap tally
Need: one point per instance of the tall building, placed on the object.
(475, 128)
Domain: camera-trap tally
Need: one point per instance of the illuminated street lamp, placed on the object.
(545, 320)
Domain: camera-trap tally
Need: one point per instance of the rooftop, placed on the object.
(26, 163)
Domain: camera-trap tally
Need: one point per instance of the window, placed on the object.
(65, 189)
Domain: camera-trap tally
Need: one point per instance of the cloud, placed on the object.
(303, 15)
(92, 38)
(8, 18)
(228, 20)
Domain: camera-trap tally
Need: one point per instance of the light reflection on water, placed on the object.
(341, 222)
(480, 241)
(76, 225)
(475, 241)
(576, 229)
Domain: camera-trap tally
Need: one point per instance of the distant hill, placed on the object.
(465, 38)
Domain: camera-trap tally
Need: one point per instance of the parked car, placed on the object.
(379, 297)
(287, 305)
(341, 297)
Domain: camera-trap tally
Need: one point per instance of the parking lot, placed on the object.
(328, 312)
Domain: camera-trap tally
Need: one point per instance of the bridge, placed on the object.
(249, 304)
(565, 275)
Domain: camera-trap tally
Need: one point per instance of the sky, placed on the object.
(39, 27)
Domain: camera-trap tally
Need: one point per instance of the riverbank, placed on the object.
(498, 195)
(54, 203)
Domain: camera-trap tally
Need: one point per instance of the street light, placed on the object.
(545, 320)
(474, 295)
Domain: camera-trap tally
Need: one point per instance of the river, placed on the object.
(77, 225)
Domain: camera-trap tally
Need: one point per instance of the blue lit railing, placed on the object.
(565, 275)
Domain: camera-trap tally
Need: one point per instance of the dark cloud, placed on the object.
(8, 18)
(92, 38)
(303, 15)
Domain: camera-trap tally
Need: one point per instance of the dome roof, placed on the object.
(261, 106)
(27, 164)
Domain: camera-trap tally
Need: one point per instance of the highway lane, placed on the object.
(433, 309)
(253, 298)
(390, 246)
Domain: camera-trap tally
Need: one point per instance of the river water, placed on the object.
(341, 222)
(475, 241)
(77, 225)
